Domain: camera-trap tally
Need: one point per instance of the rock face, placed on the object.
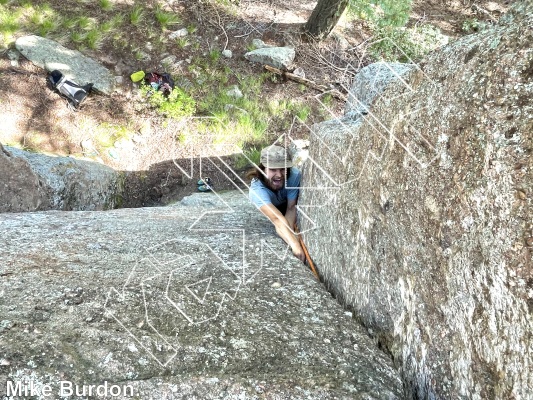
(426, 231)
(31, 182)
(175, 306)
(369, 85)
(51, 55)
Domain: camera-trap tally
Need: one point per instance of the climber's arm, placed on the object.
(284, 228)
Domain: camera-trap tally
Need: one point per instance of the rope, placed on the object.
(307, 256)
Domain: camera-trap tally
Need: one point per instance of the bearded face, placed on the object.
(275, 178)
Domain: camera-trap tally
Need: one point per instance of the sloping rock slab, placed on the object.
(51, 55)
(33, 182)
(148, 299)
(277, 57)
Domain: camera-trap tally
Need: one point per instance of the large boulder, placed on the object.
(197, 300)
(426, 230)
(32, 182)
(20, 189)
(51, 55)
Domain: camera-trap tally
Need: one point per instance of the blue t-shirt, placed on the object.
(261, 195)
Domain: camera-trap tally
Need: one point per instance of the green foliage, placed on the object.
(165, 18)
(236, 120)
(182, 42)
(381, 13)
(393, 42)
(302, 111)
(106, 5)
(42, 19)
(69, 23)
(94, 39)
(78, 37)
(250, 47)
(49, 25)
(138, 54)
(214, 55)
(473, 25)
(9, 24)
(327, 99)
(116, 21)
(405, 45)
(177, 105)
(86, 23)
(136, 14)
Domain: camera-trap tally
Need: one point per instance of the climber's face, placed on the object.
(275, 178)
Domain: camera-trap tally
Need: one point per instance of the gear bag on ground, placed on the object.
(75, 94)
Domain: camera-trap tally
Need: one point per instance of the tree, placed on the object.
(324, 17)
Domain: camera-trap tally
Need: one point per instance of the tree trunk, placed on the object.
(324, 17)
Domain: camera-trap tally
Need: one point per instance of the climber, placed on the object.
(274, 191)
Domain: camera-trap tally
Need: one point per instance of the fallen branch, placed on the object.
(307, 82)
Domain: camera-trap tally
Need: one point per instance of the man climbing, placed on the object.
(274, 190)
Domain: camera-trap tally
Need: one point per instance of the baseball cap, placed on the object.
(275, 157)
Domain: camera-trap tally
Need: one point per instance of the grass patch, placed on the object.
(165, 18)
(43, 19)
(106, 5)
(302, 111)
(237, 120)
(94, 39)
(137, 15)
(86, 23)
(182, 42)
(78, 37)
(114, 23)
(9, 24)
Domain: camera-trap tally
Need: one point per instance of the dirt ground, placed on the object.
(158, 168)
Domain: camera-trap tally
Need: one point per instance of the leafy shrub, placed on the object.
(177, 105)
